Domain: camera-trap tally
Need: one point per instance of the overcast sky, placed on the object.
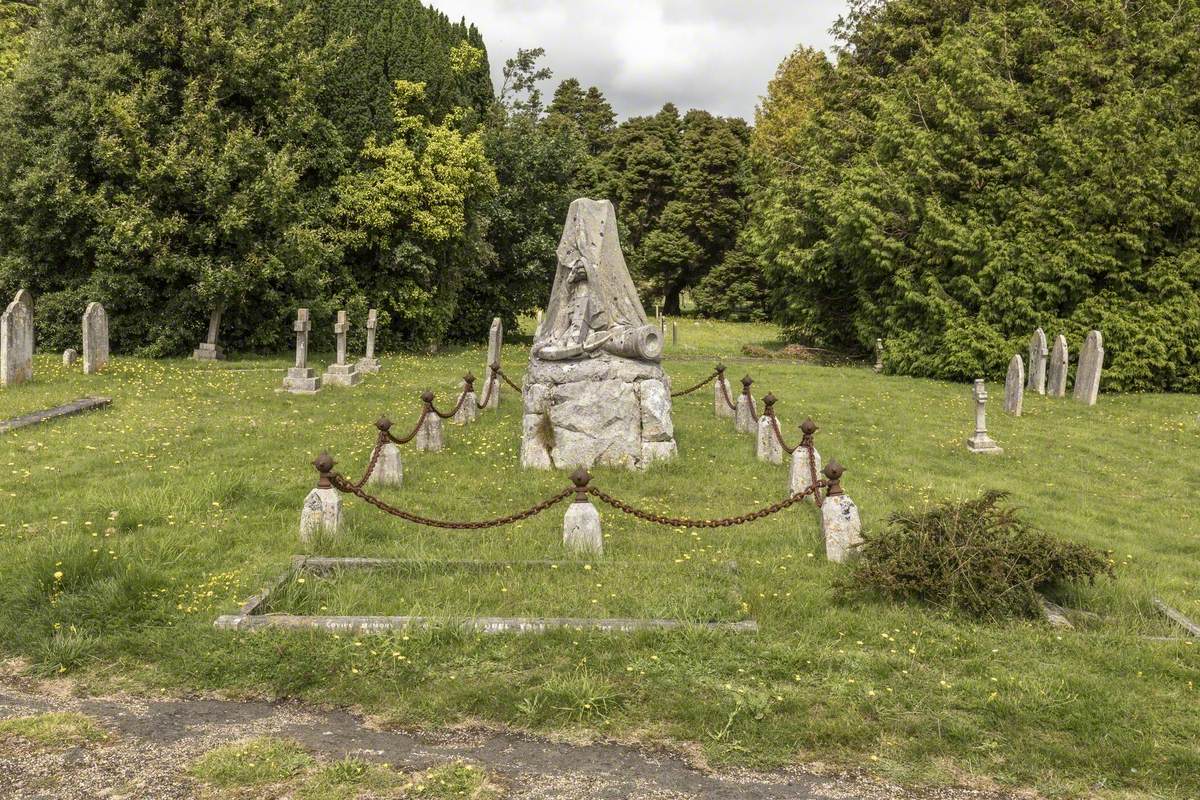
(711, 54)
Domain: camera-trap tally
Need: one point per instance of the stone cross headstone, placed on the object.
(1091, 363)
(1014, 387)
(491, 383)
(369, 363)
(879, 355)
(16, 341)
(1056, 370)
(340, 373)
(1038, 353)
(209, 350)
(301, 379)
(95, 338)
(980, 442)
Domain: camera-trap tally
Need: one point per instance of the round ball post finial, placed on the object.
(746, 381)
(769, 404)
(469, 382)
(324, 464)
(833, 472)
(495, 366)
(807, 428)
(581, 478)
(720, 369)
(427, 397)
(384, 424)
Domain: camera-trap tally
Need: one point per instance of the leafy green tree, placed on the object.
(16, 18)
(976, 170)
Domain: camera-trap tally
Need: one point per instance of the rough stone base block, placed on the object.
(468, 411)
(841, 527)
(722, 399)
(803, 469)
(342, 375)
(767, 447)
(70, 357)
(743, 419)
(429, 438)
(302, 380)
(370, 365)
(606, 410)
(389, 470)
(982, 443)
(581, 529)
(322, 514)
(208, 352)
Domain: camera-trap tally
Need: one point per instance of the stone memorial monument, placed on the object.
(95, 338)
(369, 363)
(1091, 363)
(980, 442)
(1037, 362)
(1057, 369)
(594, 391)
(300, 379)
(491, 382)
(209, 350)
(16, 340)
(1014, 387)
(340, 373)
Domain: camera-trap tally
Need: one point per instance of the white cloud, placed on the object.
(711, 54)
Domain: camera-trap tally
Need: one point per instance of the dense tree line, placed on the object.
(970, 171)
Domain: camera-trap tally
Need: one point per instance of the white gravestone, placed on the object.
(980, 442)
(369, 363)
(1091, 363)
(16, 341)
(301, 379)
(594, 391)
(1014, 387)
(95, 338)
(1038, 354)
(340, 373)
(1056, 381)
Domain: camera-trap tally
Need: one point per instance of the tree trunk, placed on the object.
(671, 301)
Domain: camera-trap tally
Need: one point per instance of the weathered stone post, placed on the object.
(674, 333)
(768, 446)
(300, 379)
(16, 340)
(322, 511)
(70, 356)
(491, 389)
(369, 363)
(581, 523)
(341, 373)
(806, 461)
(840, 522)
(879, 355)
(467, 410)
(1059, 359)
(537, 324)
(1091, 364)
(389, 470)
(208, 350)
(95, 338)
(980, 442)
(429, 437)
(1014, 387)
(743, 419)
(1037, 362)
(722, 394)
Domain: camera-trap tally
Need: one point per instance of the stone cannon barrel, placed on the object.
(644, 342)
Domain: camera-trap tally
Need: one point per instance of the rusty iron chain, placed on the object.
(487, 396)
(699, 385)
(461, 398)
(380, 440)
(343, 485)
(779, 435)
(812, 469)
(685, 522)
(509, 382)
(725, 394)
(412, 434)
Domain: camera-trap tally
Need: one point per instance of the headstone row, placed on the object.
(16, 340)
(302, 379)
(1048, 371)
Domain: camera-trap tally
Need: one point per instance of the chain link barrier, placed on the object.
(699, 385)
(725, 393)
(509, 382)
(686, 522)
(447, 415)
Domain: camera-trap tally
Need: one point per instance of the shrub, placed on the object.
(975, 556)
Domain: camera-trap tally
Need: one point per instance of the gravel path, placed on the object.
(155, 739)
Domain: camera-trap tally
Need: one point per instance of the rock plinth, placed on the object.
(581, 529)
(806, 461)
(1014, 387)
(16, 341)
(389, 469)
(1091, 363)
(322, 514)
(744, 419)
(594, 392)
(840, 521)
(429, 437)
(1038, 355)
(95, 338)
(1057, 369)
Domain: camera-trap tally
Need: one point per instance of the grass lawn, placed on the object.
(124, 533)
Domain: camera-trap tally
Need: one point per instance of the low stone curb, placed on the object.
(344, 624)
(37, 417)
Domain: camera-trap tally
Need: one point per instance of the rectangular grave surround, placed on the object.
(36, 417)
(254, 615)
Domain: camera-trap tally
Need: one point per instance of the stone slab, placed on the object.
(37, 417)
(366, 625)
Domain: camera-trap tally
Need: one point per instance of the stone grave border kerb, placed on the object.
(251, 615)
